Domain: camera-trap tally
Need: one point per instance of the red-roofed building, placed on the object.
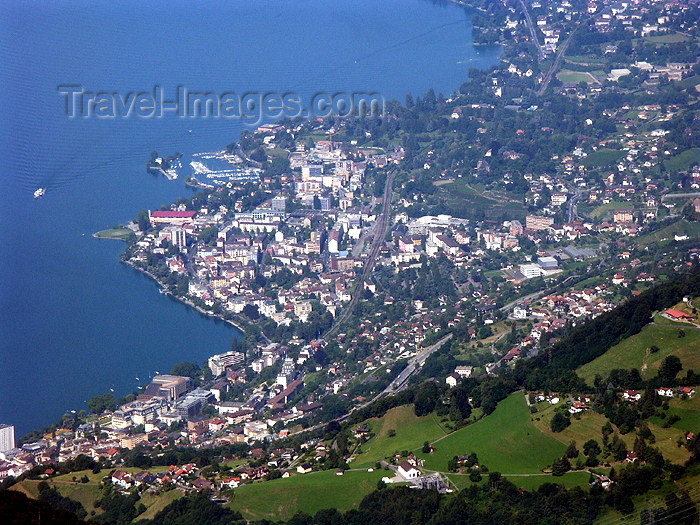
(122, 478)
(171, 217)
(631, 395)
(231, 482)
(513, 354)
(283, 397)
(677, 314)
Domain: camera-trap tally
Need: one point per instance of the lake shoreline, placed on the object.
(164, 290)
(182, 300)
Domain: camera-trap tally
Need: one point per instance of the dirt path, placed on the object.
(438, 425)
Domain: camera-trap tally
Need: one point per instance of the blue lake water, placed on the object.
(74, 321)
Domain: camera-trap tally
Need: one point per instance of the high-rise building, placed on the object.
(179, 237)
(7, 437)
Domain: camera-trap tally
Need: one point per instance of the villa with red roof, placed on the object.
(678, 315)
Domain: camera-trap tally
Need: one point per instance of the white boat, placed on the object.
(39, 193)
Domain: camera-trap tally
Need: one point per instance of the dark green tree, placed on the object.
(99, 404)
(186, 369)
(209, 235)
(143, 221)
(591, 448)
(561, 467)
(669, 369)
(426, 398)
(559, 422)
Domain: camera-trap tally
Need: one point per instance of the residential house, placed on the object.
(408, 471)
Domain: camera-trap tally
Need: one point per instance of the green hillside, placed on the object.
(680, 227)
(688, 412)
(588, 426)
(505, 441)
(534, 481)
(88, 493)
(683, 160)
(634, 352)
(282, 498)
(409, 432)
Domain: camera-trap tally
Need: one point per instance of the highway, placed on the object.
(415, 363)
(398, 384)
(525, 299)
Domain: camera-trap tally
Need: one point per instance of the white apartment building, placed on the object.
(7, 437)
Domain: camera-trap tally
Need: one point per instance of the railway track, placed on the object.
(377, 243)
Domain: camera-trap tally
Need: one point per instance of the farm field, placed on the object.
(602, 157)
(154, 504)
(667, 442)
(460, 195)
(688, 410)
(568, 76)
(505, 441)
(682, 227)
(569, 480)
(282, 498)
(527, 481)
(584, 59)
(690, 82)
(85, 493)
(583, 428)
(88, 493)
(683, 161)
(411, 432)
(672, 38)
(589, 424)
(608, 209)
